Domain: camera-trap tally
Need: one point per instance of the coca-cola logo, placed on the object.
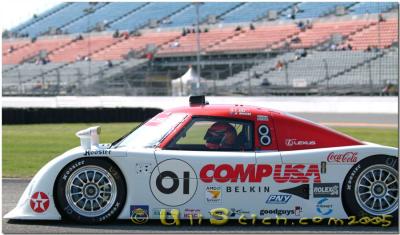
(348, 157)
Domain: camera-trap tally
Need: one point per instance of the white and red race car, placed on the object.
(247, 159)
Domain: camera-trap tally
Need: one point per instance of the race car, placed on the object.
(249, 160)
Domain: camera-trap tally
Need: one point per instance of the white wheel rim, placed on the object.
(377, 190)
(91, 191)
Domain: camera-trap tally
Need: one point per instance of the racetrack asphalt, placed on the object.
(13, 188)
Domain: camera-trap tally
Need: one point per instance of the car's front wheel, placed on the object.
(371, 187)
(90, 190)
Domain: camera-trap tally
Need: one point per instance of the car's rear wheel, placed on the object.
(90, 190)
(371, 187)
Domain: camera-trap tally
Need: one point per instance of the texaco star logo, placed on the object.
(40, 202)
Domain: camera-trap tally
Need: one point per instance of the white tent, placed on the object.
(187, 83)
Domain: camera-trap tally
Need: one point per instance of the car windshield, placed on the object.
(153, 131)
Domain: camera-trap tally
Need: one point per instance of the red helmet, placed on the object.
(220, 135)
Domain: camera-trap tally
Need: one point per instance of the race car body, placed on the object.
(250, 160)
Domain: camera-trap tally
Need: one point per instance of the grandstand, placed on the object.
(257, 48)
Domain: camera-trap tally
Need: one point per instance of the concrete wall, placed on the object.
(339, 104)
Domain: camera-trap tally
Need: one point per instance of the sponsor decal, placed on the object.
(323, 208)
(323, 167)
(196, 213)
(264, 135)
(262, 118)
(173, 182)
(39, 202)
(247, 189)
(97, 152)
(302, 191)
(296, 211)
(288, 173)
(213, 194)
(278, 199)
(238, 212)
(295, 142)
(240, 111)
(326, 190)
(348, 186)
(348, 157)
(143, 168)
(139, 214)
(157, 211)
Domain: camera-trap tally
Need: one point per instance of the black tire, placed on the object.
(350, 202)
(70, 173)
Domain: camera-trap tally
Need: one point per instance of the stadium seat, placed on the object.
(323, 31)
(253, 10)
(314, 9)
(312, 70)
(382, 36)
(74, 18)
(38, 18)
(377, 72)
(60, 18)
(81, 48)
(259, 69)
(105, 15)
(188, 44)
(135, 43)
(372, 7)
(151, 11)
(187, 17)
(43, 44)
(12, 45)
(262, 37)
(355, 47)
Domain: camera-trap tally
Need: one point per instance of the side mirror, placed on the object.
(89, 137)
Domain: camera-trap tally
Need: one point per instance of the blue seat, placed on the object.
(252, 10)
(151, 11)
(315, 9)
(188, 16)
(371, 7)
(40, 17)
(106, 14)
(60, 18)
(72, 18)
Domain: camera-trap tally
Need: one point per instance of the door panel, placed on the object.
(317, 173)
(201, 179)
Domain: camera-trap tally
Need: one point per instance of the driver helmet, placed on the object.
(221, 135)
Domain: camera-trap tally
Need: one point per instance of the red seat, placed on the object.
(382, 35)
(45, 43)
